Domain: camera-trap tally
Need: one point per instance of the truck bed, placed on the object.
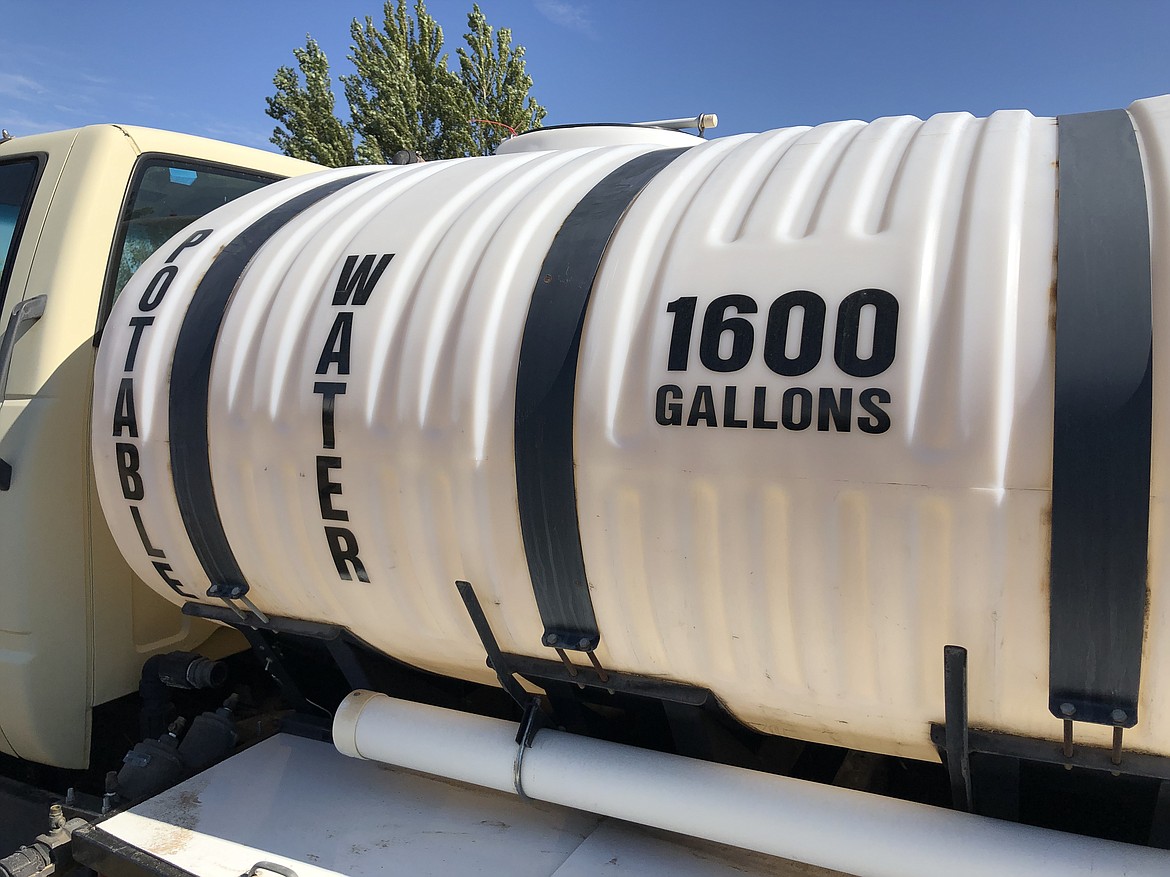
(300, 804)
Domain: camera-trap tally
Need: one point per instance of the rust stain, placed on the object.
(170, 840)
(1046, 537)
(181, 808)
(1052, 289)
(177, 816)
(1153, 526)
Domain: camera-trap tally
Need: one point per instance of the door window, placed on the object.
(17, 184)
(166, 195)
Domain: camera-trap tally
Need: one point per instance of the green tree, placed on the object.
(311, 130)
(498, 85)
(403, 96)
(402, 93)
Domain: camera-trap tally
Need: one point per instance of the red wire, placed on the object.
(501, 124)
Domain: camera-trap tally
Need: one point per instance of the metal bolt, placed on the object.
(1067, 709)
(583, 643)
(56, 817)
(551, 639)
(1118, 716)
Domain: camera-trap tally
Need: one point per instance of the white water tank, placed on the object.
(775, 412)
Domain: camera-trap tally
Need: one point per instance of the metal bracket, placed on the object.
(1136, 764)
(1121, 720)
(957, 738)
(507, 666)
(274, 666)
(275, 868)
(496, 658)
(572, 669)
(336, 639)
(239, 591)
(534, 719)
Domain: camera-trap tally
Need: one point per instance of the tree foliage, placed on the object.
(311, 130)
(498, 85)
(403, 94)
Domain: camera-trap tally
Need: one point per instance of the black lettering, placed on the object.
(344, 548)
(151, 551)
(832, 410)
(812, 333)
(716, 322)
(729, 419)
(175, 584)
(668, 409)
(759, 420)
(157, 288)
(194, 240)
(885, 333)
(702, 407)
(360, 283)
(327, 489)
(879, 419)
(329, 391)
(128, 462)
(336, 349)
(680, 332)
(138, 324)
(124, 418)
(788, 415)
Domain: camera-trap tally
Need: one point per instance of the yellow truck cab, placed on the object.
(79, 211)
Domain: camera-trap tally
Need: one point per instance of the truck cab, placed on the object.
(79, 211)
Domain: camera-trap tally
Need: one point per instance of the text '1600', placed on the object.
(864, 341)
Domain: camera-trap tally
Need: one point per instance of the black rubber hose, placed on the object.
(156, 703)
(174, 670)
(26, 862)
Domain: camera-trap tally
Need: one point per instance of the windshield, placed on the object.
(16, 189)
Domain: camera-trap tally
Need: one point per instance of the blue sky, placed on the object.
(205, 67)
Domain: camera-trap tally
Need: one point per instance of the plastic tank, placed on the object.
(809, 426)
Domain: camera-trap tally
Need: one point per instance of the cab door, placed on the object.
(69, 187)
(29, 173)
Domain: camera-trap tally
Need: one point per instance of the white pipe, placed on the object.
(835, 828)
(703, 121)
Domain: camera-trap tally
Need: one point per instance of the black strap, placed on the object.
(190, 389)
(545, 385)
(1102, 426)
